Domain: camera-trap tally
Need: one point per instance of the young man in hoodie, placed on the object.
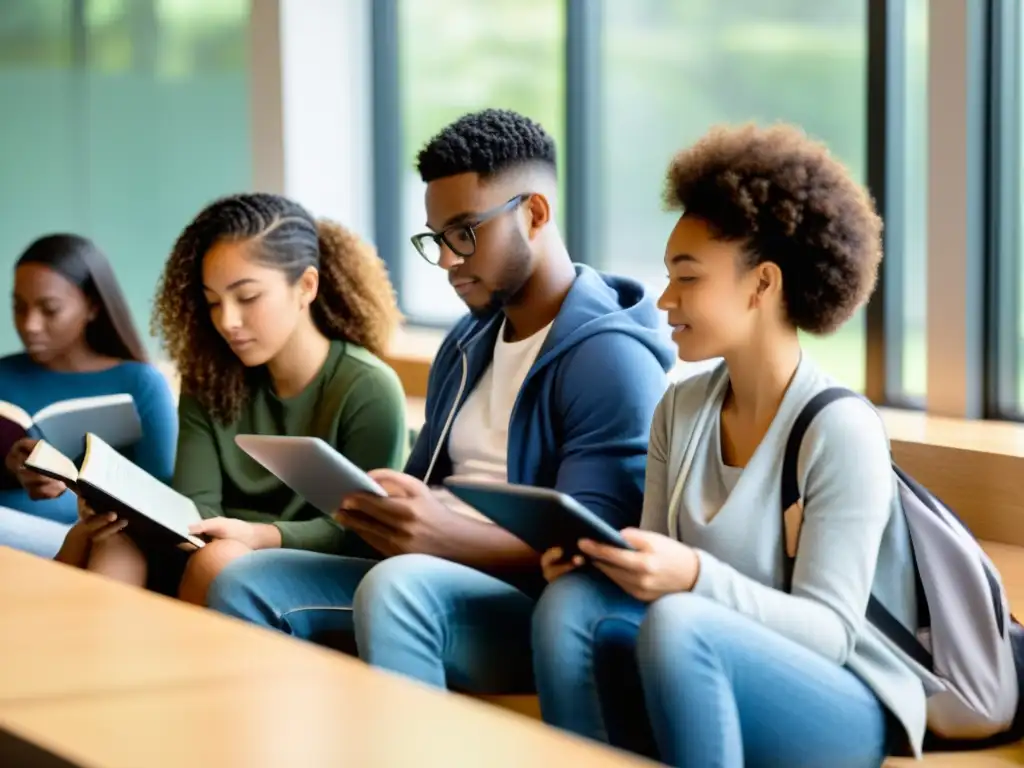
(551, 380)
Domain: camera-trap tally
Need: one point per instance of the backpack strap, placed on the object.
(790, 482)
(877, 614)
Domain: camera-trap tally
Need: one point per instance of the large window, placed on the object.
(910, 217)
(1006, 247)
(648, 77)
(121, 118)
(457, 56)
(672, 70)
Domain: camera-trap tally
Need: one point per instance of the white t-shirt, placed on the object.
(478, 444)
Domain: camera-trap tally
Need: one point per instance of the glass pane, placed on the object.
(675, 69)
(459, 56)
(121, 128)
(1016, 200)
(38, 149)
(913, 255)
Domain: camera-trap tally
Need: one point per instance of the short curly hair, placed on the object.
(487, 143)
(355, 300)
(792, 204)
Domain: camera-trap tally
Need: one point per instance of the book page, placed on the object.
(11, 412)
(112, 418)
(47, 460)
(15, 424)
(81, 404)
(112, 473)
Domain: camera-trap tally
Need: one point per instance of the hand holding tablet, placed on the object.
(311, 468)
(541, 517)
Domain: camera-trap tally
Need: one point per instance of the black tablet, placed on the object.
(541, 517)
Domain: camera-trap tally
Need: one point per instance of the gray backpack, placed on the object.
(965, 636)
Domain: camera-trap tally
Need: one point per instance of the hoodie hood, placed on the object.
(612, 384)
(602, 303)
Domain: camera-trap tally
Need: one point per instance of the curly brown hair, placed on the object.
(355, 301)
(791, 203)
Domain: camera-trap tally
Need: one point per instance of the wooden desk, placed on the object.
(108, 677)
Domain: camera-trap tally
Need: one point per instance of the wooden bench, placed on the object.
(984, 483)
(1010, 561)
(102, 675)
(975, 467)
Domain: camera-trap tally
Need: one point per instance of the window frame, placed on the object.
(584, 145)
(885, 334)
(1005, 136)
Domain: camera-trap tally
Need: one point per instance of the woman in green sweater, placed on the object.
(275, 322)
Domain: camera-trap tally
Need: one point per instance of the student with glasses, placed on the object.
(551, 380)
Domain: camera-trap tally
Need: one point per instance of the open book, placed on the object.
(64, 424)
(109, 482)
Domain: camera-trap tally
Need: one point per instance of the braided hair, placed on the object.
(355, 301)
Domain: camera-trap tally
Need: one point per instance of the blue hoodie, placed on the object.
(582, 418)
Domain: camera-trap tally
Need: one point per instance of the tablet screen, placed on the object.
(541, 517)
(310, 467)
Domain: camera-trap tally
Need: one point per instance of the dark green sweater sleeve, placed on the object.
(197, 471)
(372, 435)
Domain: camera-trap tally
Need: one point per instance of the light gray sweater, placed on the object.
(853, 537)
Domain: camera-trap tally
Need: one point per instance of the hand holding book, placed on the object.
(36, 486)
(108, 482)
(90, 529)
(252, 535)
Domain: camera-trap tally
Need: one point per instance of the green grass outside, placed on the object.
(844, 356)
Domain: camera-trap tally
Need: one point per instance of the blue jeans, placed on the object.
(438, 622)
(695, 684)
(29, 533)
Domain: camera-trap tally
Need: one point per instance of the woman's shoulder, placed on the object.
(849, 425)
(18, 375)
(357, 365)
(141, 378)
(18, 363)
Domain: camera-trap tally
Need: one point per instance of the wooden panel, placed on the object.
(984, 489)
(992, 758)
(411, 353)
(74, 633)
(108, 675)
(1009, 561)
(412, 372)
(1002, 437)
(340, 715)
(523, 704)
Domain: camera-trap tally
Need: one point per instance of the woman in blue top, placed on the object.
(79, 340)
(693, 640)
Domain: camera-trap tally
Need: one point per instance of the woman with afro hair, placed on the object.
(691, 647)
(275, 322)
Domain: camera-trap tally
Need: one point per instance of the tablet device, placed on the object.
(541, 517)
(310, 467)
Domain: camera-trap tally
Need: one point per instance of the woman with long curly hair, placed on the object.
(697, 646)
(276, 323)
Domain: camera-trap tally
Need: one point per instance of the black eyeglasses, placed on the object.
(461, 238)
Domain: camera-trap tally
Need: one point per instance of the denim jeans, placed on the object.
(692, 683)
(438, 622)
(29, 533)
